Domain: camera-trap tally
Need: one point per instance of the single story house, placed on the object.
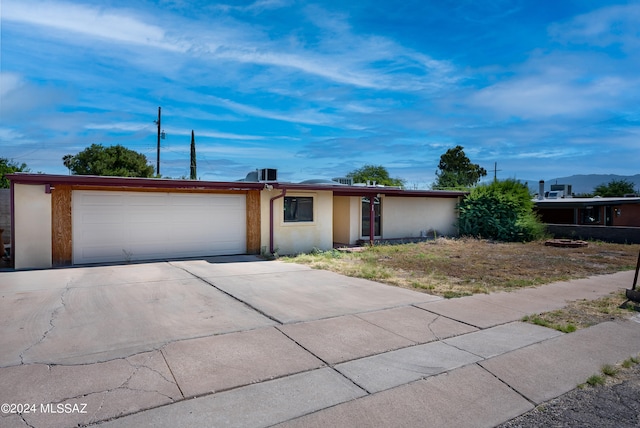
(590, 211)
(60, 220)
(606, 219)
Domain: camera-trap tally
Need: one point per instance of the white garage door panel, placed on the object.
(122, 226)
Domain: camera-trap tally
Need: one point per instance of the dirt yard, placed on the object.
(459, 267)
(462, 267)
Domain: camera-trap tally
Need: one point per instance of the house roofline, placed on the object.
(584, 202)
(163, 183)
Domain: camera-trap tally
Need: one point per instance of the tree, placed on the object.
(502, 210)
(113, 161)
(456, 170)
(9, 167)
(192, 168)
(376, 173)
(67, 160)
(615, 188)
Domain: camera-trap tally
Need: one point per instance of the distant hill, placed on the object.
(584, 183)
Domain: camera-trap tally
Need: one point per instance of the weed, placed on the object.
(539, 320)
(630, 362)
(455, 294)
(595, 380)
(609, 370)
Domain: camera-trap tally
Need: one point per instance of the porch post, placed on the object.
(372, 219)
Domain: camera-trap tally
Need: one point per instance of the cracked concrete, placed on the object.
(52, 318)
(176, 351)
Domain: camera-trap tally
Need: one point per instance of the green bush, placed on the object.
(502, 210)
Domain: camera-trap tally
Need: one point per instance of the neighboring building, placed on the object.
(60, 220)
(605, 219)
(591, 211)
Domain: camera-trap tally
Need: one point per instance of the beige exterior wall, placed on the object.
(32, 210)
(406, 217)
(346, 219)
(297, 237)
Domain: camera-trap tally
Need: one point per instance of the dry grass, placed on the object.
(585, 313)
(460, 267)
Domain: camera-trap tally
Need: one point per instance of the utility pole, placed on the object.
(158, 155)
(495, 171)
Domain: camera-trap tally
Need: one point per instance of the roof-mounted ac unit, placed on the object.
(344, 180)
(268, 174)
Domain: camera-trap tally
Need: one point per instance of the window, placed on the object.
(591, 215)
(298, 208)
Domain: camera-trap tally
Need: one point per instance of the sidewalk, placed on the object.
(435, 362)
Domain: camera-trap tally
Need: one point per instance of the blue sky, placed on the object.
(316, 89)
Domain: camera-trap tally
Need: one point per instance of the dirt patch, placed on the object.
(460, 267)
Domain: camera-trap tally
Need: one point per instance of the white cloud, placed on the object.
(116, 26)
(306, 117)
(9, 82)
(610, 25)
(340, 56)
(543, 88)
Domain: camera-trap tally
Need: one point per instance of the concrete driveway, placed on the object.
(240, 342)
(92, 314)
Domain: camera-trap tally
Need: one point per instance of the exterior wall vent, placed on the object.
(268, 174)
(344, 180)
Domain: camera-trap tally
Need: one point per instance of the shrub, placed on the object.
(502, 210)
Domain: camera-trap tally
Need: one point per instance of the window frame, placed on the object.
(286, 203)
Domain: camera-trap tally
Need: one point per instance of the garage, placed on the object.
(122, 226)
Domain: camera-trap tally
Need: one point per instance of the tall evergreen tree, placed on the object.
(194, 175)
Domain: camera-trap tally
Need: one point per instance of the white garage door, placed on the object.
(126, 226)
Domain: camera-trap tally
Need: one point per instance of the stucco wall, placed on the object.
(406, 217)
(298, 237)
(5, 215)
(346, 219)
(32, 210)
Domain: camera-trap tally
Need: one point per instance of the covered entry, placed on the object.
(114, 226)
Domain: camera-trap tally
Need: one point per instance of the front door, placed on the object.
(365, 217)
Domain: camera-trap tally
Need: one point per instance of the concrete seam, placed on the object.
(171, 371)
(387, 330)
(329, 365)
(228, 294)
(452, 319)
(506, 384)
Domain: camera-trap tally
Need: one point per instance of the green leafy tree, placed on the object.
(615, 188)
(112, 161)
(502, 210)
(376, 173)
(455, 170)
(8, 166)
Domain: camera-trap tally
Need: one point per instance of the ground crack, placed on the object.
(54, 315)
(438, 338)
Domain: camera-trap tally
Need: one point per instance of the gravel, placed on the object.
(613, 405)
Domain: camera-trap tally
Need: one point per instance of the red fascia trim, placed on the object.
(368, 191)
(90, 180)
